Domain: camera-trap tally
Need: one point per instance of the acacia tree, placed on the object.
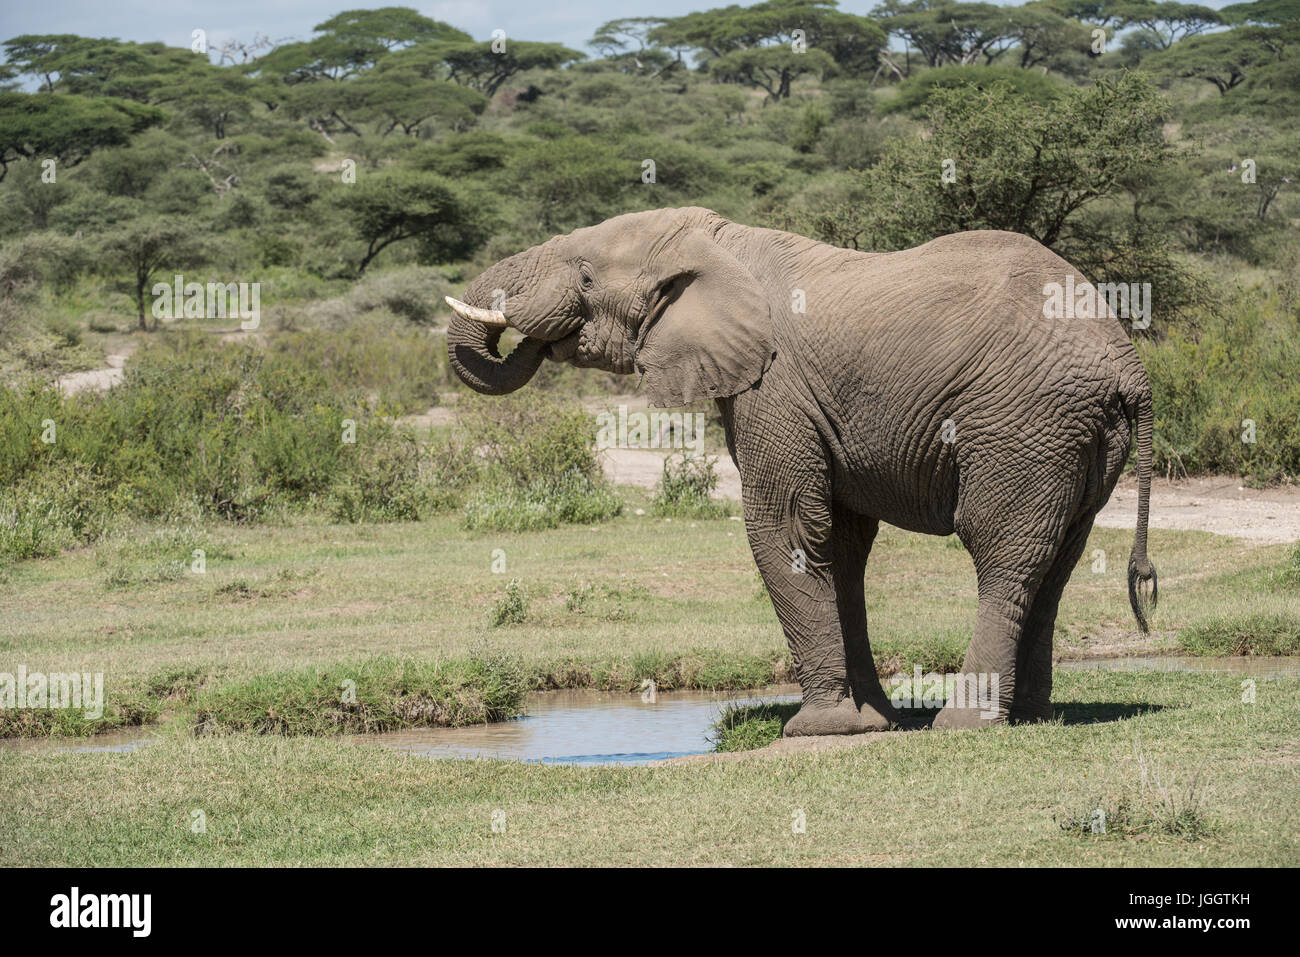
(626, 43)
(771, 69)
(67, 127)
(104, 67)
(352, 42)
(145, 248)
(402, 98)
(943, 31)
(213, 99)
(486, 66)
(1263, 12)
(388, 208)
(1042, 36)
(1044, 170)
(1018, 165)
(1223, 59)
(1167, 22)
(769, 45)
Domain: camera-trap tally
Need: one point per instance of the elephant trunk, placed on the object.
(524, 292)
(472, 349)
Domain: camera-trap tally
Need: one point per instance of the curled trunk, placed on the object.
(475, 356)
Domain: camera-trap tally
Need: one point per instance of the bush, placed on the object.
(540, 468)
(234, 431)
(685, 489)
(387, 482)
(398, 367)
(511, 608)
(1212, 383)
(56, 507)
(412, 292)
(567, 499)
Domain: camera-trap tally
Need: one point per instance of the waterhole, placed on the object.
(589, 727)
(585, 727)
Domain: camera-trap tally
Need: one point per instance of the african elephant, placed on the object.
(923, 388)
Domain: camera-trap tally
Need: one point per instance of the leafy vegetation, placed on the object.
(360, 174)
(686, 488)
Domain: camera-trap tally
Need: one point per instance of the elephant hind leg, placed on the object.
(1033, 696)
(852, 536)
(1014, 534)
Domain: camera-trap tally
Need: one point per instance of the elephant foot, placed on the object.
(879, 716)
(967, 717)
(1030, 712)
(842, 718)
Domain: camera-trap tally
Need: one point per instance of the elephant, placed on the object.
(924, 388)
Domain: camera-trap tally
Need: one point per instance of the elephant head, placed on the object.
(655, 292)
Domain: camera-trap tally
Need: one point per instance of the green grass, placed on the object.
(747, 727)
(373, 695)
(282, 615)
(1250, 634)
(910, 798)
(673, 598)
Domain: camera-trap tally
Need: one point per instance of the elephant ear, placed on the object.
(713, 336)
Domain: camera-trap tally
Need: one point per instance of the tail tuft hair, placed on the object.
(1142, 600)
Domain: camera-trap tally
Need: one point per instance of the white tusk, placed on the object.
(489, 317)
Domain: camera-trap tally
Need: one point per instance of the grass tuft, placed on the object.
(1152, 809)
(364, 697)
(512, 607)
(1257, 634)
(746, 727)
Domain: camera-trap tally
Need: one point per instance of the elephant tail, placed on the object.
(1142, 590)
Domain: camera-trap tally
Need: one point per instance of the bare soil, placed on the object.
(1218, 504)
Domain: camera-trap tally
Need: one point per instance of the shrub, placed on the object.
(51, 509)
(685, 489)
(539, 466)
(1209, 384)
(385, 482)
(570, 498)
(412, 292)
(512, 607)
(235, 431)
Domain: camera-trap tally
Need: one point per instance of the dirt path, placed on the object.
(1219, 504)
(97, 380)
(1216, 504)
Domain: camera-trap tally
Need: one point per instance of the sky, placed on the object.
(570, 22)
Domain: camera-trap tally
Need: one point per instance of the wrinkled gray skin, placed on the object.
(836, 417)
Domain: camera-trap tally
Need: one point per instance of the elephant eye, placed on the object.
(585, 277)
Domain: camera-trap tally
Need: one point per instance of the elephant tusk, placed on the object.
(489, 317)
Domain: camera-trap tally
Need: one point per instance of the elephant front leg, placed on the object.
(793, 558)
(851, 539)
